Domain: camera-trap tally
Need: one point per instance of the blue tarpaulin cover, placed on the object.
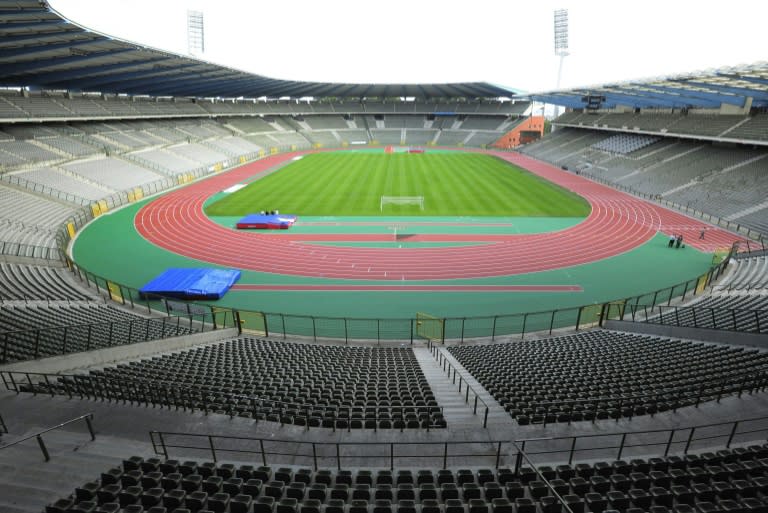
(192, 283)
(267, 221)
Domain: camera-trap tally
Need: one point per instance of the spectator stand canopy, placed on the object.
(738, 88)
(40, 48)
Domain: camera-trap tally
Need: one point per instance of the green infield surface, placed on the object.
(449, 183)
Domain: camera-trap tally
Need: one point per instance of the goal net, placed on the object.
(401, 200)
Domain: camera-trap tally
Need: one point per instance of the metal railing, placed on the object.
(452, 372)
(88, 417)
(648, 443)
(718, 318)
(58, 340)
(17, 249)
(164, 394)
(45, 190)
(461, 328)
(334, 454)
(556, 498)
(493, 453)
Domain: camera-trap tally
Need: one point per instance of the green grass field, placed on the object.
(452, 184)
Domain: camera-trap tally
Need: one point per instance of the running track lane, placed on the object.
(617, 223)
(412, 288)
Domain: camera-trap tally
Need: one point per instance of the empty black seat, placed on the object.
(218, 502)
(596, 502)
(308, 506)
(502, 505)
(242, 503)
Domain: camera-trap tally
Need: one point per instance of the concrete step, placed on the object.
(29, 483)
(455, 408)
(496, 413)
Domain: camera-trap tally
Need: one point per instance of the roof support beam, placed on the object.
(749, 93)
(678, 99)
(746, 78)
(73, 33)
(27, 68)
(66, 77)
(181, 82)
(153, 71)
(15, 53)
(142, 78)
(569, 101)
(636, 101)
(729, 99)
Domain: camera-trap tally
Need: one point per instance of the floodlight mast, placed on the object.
(195, 33)
(561, 43)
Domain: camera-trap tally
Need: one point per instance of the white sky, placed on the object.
(509, 42)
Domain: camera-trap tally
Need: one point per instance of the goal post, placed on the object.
(430, 327)
(401, 200)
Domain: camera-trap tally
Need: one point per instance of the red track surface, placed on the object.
(414, 288)
(618, 223)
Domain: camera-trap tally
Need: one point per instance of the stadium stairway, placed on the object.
(455, 409)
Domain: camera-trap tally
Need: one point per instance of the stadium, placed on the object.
(221, 291)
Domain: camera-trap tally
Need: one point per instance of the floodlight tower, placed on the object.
(195, 34)
(561, 43)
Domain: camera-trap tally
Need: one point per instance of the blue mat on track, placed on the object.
(191, 283)
(266, 221)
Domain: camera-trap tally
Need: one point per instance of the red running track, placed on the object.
(412, 288)
(617, 223)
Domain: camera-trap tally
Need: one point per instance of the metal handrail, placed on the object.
(142, 323)
(161, 445)
(441, 359)
(521, 455)
(88, 417)
(732, 432)
(706, 313)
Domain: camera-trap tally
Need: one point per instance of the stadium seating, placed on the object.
(738, 127)
(735, 312)
(723, 480)
(67, 183)
(30, 218)
(112, 172)
(32, 330)
(725, 181)
(625, 143)
(600, 374)
(750, 273)
(35, 282)
(329, 386)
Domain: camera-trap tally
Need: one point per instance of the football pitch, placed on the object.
(352, 184)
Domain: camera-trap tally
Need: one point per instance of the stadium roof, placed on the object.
(39, 48)
(708, 89)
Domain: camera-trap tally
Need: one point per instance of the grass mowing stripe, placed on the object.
(351, 184)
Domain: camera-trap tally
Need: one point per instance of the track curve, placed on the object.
(617, 223)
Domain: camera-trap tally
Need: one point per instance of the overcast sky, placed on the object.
(509, 43)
